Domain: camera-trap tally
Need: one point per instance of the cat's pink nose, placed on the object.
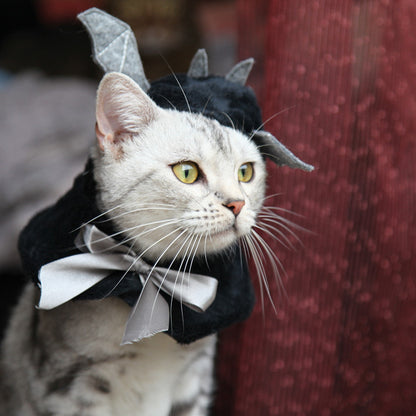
(235, 206)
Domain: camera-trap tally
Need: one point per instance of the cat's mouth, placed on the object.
(233, 232)
(229, 235)
(218, 234)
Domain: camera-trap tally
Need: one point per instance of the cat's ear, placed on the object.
(123, 110)
(270, 147)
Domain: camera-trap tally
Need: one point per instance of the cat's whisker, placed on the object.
(179, 84)
(259, 255)
(190, 248)
(192, 242)
(166, 273)
(193, 252)
(99, 216)
(285, 225)
(271, 213)
(265, 154)
(284, 241)
(154, 266)
(243, 246)
(271, 209)
(229, 119)
(280, 220)
(275, 262)
(122, 206)
(270, 119)
(241, 253)
(135, 238)
(189, 237)
(198, 202)
(210, 236)
(133, 211)
(206, 104)
(150, 205)
(188, 257)
(259, 146)
(140, 256)
(265, 212)
(271, 196)
(164, 223)
(266, 222)
(161, 239)
(168, 101)
(205, 248)
(192, 256)
(229, 253)
(251, 252)
(258, 266)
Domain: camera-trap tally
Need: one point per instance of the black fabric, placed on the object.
(50, 234)
(230, 103)
(233, 303)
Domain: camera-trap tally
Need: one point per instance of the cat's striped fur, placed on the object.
(68, 361)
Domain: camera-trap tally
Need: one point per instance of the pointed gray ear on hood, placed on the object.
(270, 147)
(240, 72)
(199, 65)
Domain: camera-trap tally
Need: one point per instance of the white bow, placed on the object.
(66, 278)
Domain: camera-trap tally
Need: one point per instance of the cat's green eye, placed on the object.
(186, 172)
(245, 172)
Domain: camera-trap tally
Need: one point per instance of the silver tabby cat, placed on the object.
(201, 187)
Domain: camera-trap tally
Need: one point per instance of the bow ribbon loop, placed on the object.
(66, 278)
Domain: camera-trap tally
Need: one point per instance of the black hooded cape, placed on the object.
(50, 234)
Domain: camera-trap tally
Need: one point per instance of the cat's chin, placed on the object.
(220, 241)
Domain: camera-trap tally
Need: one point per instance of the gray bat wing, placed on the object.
(114, 45)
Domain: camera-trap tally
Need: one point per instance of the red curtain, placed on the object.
(342, 75)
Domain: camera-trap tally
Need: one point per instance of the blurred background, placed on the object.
(337, 81)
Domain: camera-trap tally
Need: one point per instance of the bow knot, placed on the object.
(66, 278)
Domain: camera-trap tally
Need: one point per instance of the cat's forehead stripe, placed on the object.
(212, 131)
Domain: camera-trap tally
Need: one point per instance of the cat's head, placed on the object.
(175, 183)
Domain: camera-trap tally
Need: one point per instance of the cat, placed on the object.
(174, 186)
(179, 185)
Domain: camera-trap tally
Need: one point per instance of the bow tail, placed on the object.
(66, 278)
(149, 315)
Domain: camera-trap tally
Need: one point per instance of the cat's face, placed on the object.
(177, 184)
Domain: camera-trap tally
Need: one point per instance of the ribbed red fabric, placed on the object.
(343, 75)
